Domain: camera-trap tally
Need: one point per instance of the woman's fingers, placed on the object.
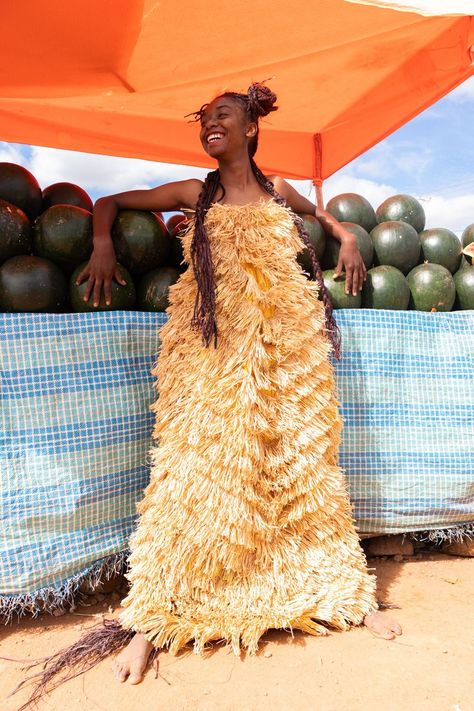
(107, 291)
(88, 289)
(82, 276)
(119, 278)
(349, 277)
(97, 288)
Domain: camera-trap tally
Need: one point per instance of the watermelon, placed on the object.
(404, 208)
(351, 207)
(396, 243)
(467, 239)
(174, 221)
(30, 283)
(15, 231)
(336, 288)
(317, 237)
(385, 288)
(20, 187)
(152, 290)
(123, 297)
(176, 245)
(441, 246)
(464, 283)
(364, 243)
(66, 194)
(141, 240)
(63, 234)
(432, 288)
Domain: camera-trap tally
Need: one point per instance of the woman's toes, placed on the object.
(119, 671)
(136, 672)
(135, 678)
(396, 628)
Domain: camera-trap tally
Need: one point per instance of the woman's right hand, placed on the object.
(99, 272)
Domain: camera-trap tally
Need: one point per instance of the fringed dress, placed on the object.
(246, 523)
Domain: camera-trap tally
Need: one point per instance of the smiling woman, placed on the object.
(245, 524)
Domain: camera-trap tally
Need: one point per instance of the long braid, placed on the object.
(204, 315)
(331, 325)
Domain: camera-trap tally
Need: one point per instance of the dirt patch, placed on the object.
(429, 668)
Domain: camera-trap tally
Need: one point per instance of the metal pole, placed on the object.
(317, 169)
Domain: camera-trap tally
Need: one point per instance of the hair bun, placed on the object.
(261, 99)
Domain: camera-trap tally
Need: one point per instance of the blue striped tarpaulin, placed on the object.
(75, 434)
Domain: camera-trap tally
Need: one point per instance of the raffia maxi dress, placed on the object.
(246, 522)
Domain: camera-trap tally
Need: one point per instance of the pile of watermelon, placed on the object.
(408, 266)
(46, 242)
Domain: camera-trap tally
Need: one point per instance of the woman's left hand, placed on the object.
(350, 261)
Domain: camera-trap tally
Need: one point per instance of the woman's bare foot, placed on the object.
(381, 625)
(132, 661)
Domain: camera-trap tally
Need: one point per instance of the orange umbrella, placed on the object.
(118, 77)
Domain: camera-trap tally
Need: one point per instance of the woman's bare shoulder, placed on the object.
(190, 191)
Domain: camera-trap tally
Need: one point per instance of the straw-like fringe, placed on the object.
(246, 523)
(72, 661)
(453, 534)
(61, 596)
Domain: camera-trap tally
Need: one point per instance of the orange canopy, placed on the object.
(117, 76)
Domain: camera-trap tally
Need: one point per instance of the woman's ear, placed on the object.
(251, 130)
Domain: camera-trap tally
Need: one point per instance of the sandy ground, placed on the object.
(429, 668)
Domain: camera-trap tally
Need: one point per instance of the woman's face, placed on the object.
(224, 128)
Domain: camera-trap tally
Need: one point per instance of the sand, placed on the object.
(429, 668)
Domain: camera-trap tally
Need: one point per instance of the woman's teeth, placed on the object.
(214, 137)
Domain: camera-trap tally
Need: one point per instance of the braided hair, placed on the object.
(259, 101)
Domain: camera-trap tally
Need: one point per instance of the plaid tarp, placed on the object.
(75, 435)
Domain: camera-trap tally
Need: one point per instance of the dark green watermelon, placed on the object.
(15, 231)
(29, 283)
(464, 284)
(141, 240)
(396, 243)
(351, 207)
(441, 246)
(20, 187)
(404, 208)
(66, 194)
(123, 297)
(364, 243)
(63, 233)
(336, 289)
(432, 288)
(152, 289)
(317, 237)
(467, 238)
(385, 288)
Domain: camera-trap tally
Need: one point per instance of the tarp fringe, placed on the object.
(51, 598)
(453, 534)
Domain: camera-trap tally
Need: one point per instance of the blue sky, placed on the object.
(431, 157)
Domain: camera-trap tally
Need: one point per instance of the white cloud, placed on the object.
(462, 93)
(11, 153)
(374, 192)
(387, 157)
(103, 175)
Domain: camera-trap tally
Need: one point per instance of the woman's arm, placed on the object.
(350, 260)
(102, 265)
